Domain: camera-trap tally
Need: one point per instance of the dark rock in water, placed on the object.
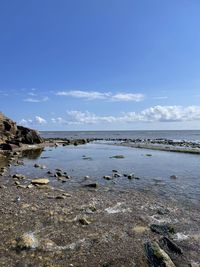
(157, 257)
(173, 177)
(12, 135)
(131, 176)
(107, 177)
(94, 185)
(162, 229)
(172, 245)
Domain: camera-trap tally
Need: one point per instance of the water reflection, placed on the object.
(32, 154)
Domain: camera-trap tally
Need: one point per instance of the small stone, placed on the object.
(59, 174)
(61, 197)
(84, 221)
(19, 176)
(36, 165)
(117, 157)
(27, 241)
(30, 186)
(107, 177)
(173, 177)
(131, 176)
(40, 181)
(117, 175)
(94, 185)
(140, 229)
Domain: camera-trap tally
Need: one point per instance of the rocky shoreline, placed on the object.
(91, 225)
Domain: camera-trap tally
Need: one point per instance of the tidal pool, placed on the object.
(153, 168)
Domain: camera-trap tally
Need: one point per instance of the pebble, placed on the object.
(40, 181)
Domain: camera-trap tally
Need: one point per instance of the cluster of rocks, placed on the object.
(12, 136)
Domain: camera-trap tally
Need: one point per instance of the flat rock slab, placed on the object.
(40, 181)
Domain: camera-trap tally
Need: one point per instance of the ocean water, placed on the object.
(189, 135)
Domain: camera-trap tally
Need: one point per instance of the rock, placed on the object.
(149, 155)
(27, 241)
(117, 175)
(114, 171)
(61, 197)
(157, 256)
(36, 165)
(172, 245)
(12, 135)
(131, 176)
(107, 177)
(117, 157)
(28, 136)
(94, 185)
(84, 221)
(86, 177)
(162, 229)
(19, 176)
(59, 174)
(140, 229)
(173, 177)
(40, 181)
(194, 264)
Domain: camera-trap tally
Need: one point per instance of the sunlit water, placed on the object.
(187, 135)
(154, 171)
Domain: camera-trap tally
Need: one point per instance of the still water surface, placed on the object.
(154, 171)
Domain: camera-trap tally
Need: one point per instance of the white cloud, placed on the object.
(36, 100)
(40, 120)
(127, 97)
(58, 120)
(36, 121)
(93, 95)
(84, 94)
(152, 114)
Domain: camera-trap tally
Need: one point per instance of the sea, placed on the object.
(179, 135)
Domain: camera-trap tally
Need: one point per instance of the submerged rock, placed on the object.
(162, 229)
(94, 185)
(172, 245)
(107, 177)
(117, 157)
(157, 256)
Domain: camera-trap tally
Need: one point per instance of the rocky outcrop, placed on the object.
(12, 135)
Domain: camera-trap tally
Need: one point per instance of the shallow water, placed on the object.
(154, 171)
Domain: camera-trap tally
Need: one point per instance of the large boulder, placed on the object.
(28, 136)
(13, 135)
(8, 128)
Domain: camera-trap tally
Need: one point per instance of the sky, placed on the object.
(100, 64)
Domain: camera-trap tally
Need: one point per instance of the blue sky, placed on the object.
(100, 64)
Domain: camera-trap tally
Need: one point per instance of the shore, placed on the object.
(91, 225)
